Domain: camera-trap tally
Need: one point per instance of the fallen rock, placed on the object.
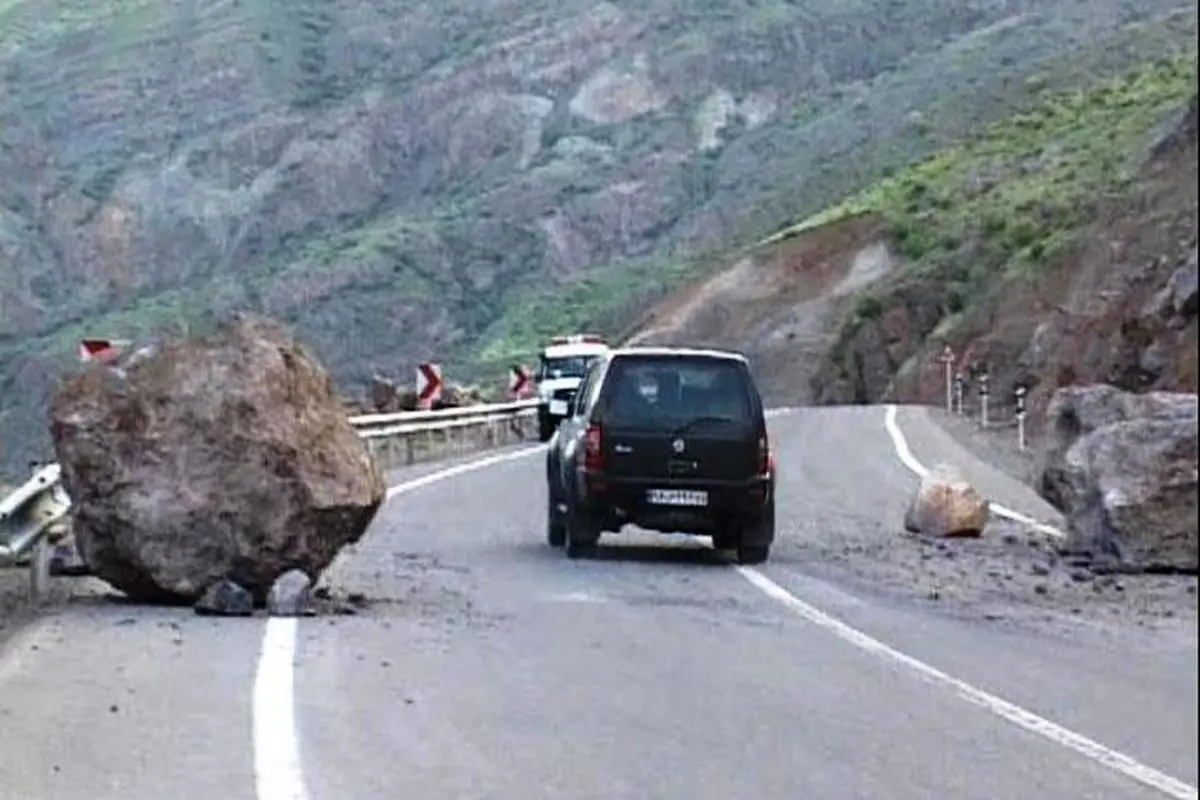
(1076, 411)
(290, 595)
(221, 458)
(225, 599)
(947, 505)
(1127, 481)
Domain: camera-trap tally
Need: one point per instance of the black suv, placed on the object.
(668, 439)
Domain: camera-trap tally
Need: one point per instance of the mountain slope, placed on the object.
(1056, 247)
(404, 180)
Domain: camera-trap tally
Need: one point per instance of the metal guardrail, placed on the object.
(41, 505)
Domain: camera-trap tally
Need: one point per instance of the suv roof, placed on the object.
(575, 349)
(693, 352)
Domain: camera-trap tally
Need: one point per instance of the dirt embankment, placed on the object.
(1116, 306)
(781, 304)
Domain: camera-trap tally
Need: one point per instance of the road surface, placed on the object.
(489, 666)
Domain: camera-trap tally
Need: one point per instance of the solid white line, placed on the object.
(460, 469)
(904, 453)
(278, 773)
(1172, 787)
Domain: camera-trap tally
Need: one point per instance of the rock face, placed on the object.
(222, 458)
(1123, 468)
(947, 505)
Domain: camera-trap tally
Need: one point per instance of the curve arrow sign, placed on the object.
(520, 381)
(429, 385)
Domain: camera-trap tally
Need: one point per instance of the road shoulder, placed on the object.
(1022, 568)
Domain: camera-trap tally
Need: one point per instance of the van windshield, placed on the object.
(675, 390)
(564, 367)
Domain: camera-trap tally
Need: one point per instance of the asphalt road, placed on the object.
(489, 666)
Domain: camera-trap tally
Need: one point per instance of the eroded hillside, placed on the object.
(401, 180)
(1057, 247)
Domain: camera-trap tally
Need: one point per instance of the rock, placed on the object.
(1182, 287)
(1076, 411)
(225, 599)
(946, 505)
(226, 457)
(290, 595)
(66, 561)
(1179, 297)
(1123, 469)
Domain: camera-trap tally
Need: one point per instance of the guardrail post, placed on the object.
(960, 386)
(1020, 393)
(984, 391)
(39, 570)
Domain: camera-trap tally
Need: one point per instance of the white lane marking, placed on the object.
(1172, 787)
(904, 453)
(460, 469)
(278, 772)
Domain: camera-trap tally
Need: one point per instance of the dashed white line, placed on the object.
(278, 772)
(1172, 787)
(904, 453)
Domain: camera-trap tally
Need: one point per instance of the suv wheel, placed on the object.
(725, 540)
(755, 546)
(583, 535)
(753, 553)
(545, 428)
(556, 526)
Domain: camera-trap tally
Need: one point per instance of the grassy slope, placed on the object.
(1005, 205)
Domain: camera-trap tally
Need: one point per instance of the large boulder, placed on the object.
(225, 458)
(1122, 467)
(946, 505)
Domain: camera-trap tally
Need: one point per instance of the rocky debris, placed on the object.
(387, 398)
(225, 598)
(1123, 468)
(1178, 299)
(290, 595)
(220, 458)
(946, 505)
(66, 561)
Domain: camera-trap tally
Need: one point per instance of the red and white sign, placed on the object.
(98, 350)
(429, 385)
(520, 382)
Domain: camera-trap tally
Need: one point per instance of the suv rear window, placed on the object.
(657, 390)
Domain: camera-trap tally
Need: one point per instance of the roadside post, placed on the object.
(1020, 393)
(947, 359)
(960, 391)
(984, 391)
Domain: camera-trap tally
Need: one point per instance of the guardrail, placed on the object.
(41, 505)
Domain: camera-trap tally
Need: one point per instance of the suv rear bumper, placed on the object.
(616, 502)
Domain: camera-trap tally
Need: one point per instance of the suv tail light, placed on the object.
(593, 454)
(766, 461)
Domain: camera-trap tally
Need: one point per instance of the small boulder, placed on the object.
(1127, 481)
(225, 599)
(226, 457)
(290, 595)
(946, 505)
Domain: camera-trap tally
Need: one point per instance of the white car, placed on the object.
(560, 370)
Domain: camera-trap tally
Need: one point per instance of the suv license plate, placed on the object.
(677, 497)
